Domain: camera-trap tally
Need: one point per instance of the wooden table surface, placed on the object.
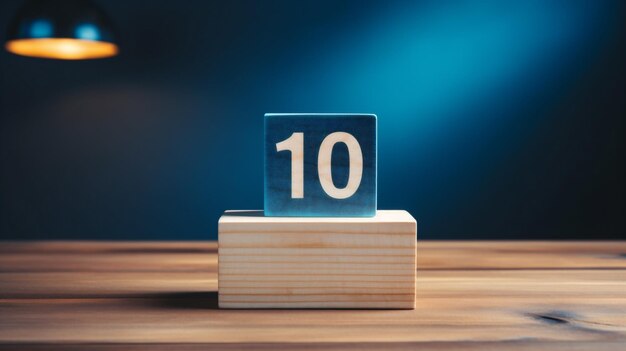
(163, 296)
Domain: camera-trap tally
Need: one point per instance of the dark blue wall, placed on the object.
(496, 119)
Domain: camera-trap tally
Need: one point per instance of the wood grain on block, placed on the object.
(310, 262)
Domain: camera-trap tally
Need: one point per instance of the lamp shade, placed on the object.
(61, 29)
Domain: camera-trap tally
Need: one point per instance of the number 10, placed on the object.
(295, 144)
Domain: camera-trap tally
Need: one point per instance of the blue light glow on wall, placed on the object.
(422, 66)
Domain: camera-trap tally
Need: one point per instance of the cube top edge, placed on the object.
(257, 216)
(302, 114)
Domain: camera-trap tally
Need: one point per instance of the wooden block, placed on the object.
(320, 165)
(309, 262)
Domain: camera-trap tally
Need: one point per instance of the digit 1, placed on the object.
(295, 144)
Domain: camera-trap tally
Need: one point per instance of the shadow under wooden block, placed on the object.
(317, 262)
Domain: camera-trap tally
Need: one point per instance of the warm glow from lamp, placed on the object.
(61, 29)
(62, 48)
